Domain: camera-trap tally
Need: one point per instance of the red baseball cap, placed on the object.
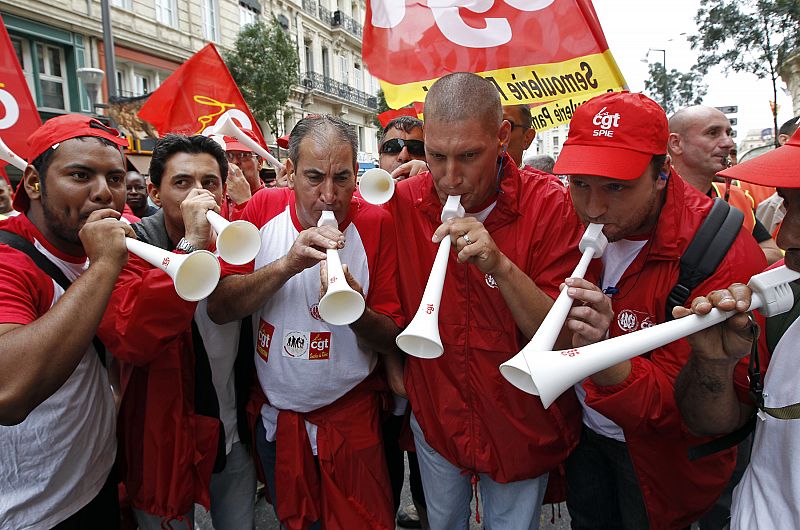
(614, 135)
(232, 144)
(57, 130)
(779, 168)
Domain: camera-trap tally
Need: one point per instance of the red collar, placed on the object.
(29, 230)
(355, 205)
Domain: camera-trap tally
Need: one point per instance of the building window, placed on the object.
(246, 16)
(325, 63)
(210, 23)
(124, 4)
(166, 12)
(359, 76)
(22, 49)
(309, 57)
(142, 85)
(52, 76)
(343, 69)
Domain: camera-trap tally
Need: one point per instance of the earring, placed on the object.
(36, 187)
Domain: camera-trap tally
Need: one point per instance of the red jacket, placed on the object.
(469, 413)
(675, 490)
(167, 451)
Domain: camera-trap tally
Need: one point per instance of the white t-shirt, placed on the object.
(617, 257)
(768, 496)
(57, 460)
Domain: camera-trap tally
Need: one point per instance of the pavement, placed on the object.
(266, 520)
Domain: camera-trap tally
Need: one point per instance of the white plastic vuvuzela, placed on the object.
(553, 372)
(194, 275)
(376, 186)
(517, 370)
(421, 337)
(238, 242)
(10, 157)
(341, 305)
(225, 126)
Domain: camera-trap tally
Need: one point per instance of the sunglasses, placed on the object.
(239, 156)
(515, 125)
(395, 145)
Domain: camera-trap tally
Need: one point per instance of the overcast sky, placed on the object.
(633, 26)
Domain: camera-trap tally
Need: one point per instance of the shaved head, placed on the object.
(681, 121)
(462, 96)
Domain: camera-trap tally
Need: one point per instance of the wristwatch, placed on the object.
(184, 246)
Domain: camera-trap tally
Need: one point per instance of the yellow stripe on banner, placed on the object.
(535, 84)
(558, 112)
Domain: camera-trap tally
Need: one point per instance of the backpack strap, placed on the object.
(706, 251)
(48, 267)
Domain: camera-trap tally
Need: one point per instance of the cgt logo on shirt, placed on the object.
(265, 332)
(309, 345)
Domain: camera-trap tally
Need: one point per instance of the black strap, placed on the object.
(21, 244)
(706, 251)
(206, 402)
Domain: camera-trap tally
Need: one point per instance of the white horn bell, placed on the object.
(238, 242)
(517, 370)
(421, 337)
(554, 372)
(341, 305)
(376, 186)
(194, 275)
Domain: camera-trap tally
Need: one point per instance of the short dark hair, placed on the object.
(463, 96)
(316, 125)
(42, 162)
(525, 118)
(657, 162)
(172, 144)
(402, 123)
(790, 126)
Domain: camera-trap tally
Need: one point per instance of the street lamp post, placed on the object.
(663, 56)
(91, 79)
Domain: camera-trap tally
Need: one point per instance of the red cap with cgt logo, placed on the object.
(614, 135)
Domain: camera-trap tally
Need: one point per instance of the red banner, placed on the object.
(18, 114)
(534, 51)
(196, 95)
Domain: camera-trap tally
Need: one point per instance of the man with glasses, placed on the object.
(401, 144)
(522, 132)
(243, 177)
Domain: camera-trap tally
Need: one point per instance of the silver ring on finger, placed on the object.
(467, 239)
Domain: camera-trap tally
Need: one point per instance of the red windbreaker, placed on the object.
(167, 451)
(676, 491)
(469, 413)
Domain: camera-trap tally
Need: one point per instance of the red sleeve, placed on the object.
(258, 210)
(144, 315)
(383, 292)
(646, 400)
(553, 252)
(26, 293)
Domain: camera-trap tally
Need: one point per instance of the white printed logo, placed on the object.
(309, 345)
(295, 344)
(446, 13)
(490, 281)
(605, 121)
(629, 320)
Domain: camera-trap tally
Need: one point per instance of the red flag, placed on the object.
(196, 95)
(389, 115)
(18, 114)
(534, 51)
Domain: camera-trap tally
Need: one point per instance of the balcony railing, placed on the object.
(340, 20)
(326, 85)
(335, 19)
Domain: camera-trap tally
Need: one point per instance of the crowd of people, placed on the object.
(123, 405)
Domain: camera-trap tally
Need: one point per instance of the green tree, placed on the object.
(674, 90)
(265, 65)
(382, 107)
(753, 36)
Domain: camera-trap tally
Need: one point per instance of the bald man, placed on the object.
(700, 143)
(515, 245)
(522, 131)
